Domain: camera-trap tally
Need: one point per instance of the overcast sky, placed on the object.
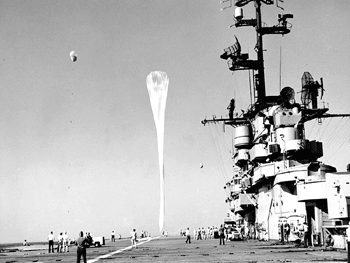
(78, 146)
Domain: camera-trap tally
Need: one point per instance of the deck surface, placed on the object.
(174, 249)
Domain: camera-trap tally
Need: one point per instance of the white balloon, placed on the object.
(157, 85)
(73, 56)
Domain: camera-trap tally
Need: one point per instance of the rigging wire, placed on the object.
(221, 149)
(228, 89)
(281, 64)
(333, 145)
(338, 143)
(328, 143)
(311, 131)
(240, 95)
(329, 138)
(203, 140)
(333, 148)
(215, 146)
(216, 141)
(234, 87)
(339, 134)
(224, 150)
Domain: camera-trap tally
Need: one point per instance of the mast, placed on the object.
(260, 84)
(237, 60)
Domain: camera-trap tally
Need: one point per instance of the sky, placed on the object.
(78, 145)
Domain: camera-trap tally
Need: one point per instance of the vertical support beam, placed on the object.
(318, 224)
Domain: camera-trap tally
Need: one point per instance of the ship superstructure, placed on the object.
(277, 177)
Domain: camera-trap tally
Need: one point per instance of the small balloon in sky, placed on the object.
(73, 56)
(201, 165)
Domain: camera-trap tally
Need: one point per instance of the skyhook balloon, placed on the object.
(157, 85)
(73, 56)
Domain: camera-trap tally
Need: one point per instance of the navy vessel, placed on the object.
(278, 180)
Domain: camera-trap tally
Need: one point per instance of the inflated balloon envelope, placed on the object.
(157, 85)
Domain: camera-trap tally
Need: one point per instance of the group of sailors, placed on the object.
(245, 232)
(202, 233)
(113, 236)
(63, 242)
(298, 233)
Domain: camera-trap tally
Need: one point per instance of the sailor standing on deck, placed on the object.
(59, 243)
(51, 238)
(222, 234)
(286, 232)
(199, 234)
(133, 238)
(65, 242)
(81, 243)
(112, 236)
(188, 236)
(306, 235)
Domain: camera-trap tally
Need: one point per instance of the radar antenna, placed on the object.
(309, 90)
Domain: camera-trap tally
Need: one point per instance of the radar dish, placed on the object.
(287, 94)
(307, 83)
(305, 97)
(306, 79)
